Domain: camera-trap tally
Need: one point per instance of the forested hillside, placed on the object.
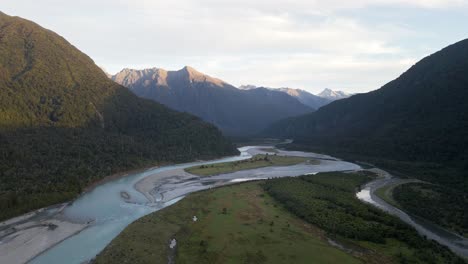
(417, 123)
(64, 124)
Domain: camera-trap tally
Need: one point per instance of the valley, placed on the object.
(150, 165)
(104, 212)
(124, 200)
(238, 112)
(272, 221)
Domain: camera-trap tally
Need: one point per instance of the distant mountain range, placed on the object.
(65, 125)
(420, 116)
(306, 98)
(333, 95)
(315, 101)
(237, 112)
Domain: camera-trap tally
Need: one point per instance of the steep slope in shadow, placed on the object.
(422, 116)
(64, 124)
(236, 112)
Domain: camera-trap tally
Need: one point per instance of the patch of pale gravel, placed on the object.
(33, 238)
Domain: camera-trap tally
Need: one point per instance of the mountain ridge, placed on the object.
(64, 125)
(307, 98)
(236, 112)
(333, 95)
(186, 72)
(314, 101)
(421, 116)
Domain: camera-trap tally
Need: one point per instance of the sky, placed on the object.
(355, 46)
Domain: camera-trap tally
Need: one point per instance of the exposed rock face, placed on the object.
(236, 112)
(307, 98)
(161, 77)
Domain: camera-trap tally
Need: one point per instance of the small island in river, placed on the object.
(257, 161)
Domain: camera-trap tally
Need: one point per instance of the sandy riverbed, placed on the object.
(24, 237)
(167, 185)
(116, 202)
(148, 184)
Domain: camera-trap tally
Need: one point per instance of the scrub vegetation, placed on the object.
(443, 206)
(284, 220)
(328, 201)
(235, 224)
(386, 193)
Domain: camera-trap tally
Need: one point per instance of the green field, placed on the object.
(257, 161)
(284, 220)
(236, 224)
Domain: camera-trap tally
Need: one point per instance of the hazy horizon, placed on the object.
(351, 46)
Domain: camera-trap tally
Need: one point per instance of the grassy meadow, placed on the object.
(282, 220)
(236, 224)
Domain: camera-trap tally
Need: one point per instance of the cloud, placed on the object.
(294, 6)
(316, 70)
(304, 43)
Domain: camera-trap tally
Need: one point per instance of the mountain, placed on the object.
(247, 87)
(307, 98)
(333, 95)
(64, 125)
(236, 112)
(422, 116)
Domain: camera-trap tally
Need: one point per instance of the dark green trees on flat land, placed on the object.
(328, 201)
(443, 206)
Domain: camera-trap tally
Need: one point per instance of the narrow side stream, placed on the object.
(456, 243)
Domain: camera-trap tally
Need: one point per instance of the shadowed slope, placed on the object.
(420, 116)
(236, 112)
(64, 124)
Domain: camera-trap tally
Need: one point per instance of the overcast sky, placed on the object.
(355, 46)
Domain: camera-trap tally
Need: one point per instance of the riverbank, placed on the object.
(386, 192)
(166, 185)
(275, 221)
(442, 206)
(257, 161)
(24, 237)
(114, 204)
(367, 193)
(148, 186)
(119, 175)
(235, 223)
